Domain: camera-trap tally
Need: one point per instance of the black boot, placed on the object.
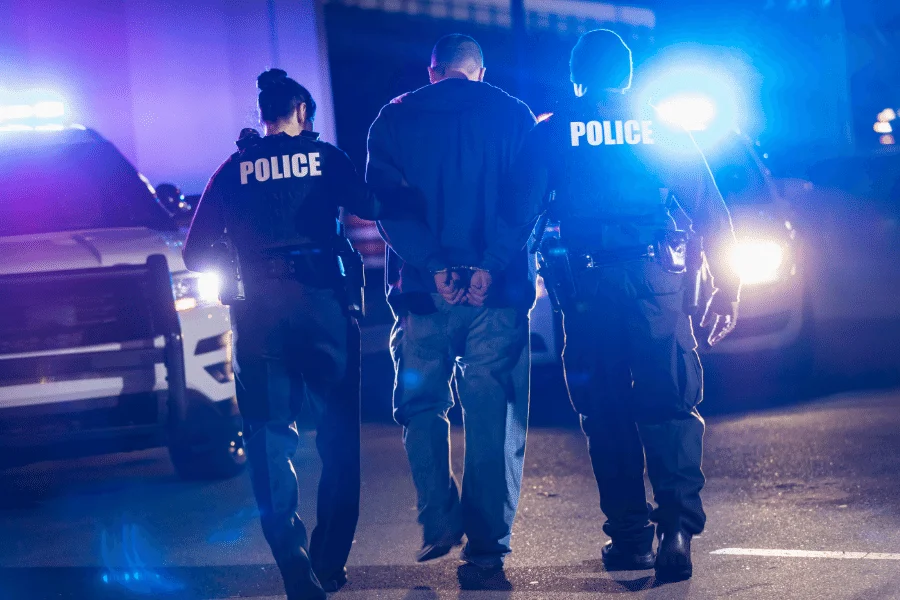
(616, 558)
(290, 551)
(300, 582)
(334, 582)
(673, 558)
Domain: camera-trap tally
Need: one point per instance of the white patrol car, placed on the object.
(107, 342)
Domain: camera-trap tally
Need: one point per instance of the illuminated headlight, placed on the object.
(757, 261)
(195, 289)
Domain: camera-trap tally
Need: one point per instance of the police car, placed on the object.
(774, 312)
(107, 342)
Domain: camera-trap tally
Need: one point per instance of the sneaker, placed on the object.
(439, 548)
(474, 577)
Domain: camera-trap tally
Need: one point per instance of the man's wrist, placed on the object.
(436, 265)
(490, 265)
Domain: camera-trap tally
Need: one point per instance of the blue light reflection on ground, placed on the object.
(124, 563)
(234, 528)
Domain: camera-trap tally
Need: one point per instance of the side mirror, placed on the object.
(179, 207)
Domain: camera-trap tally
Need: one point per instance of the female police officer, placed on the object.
(278, 200)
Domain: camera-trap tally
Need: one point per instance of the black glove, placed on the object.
(721, 314)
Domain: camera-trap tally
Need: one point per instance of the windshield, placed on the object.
(67, 187)
(739, 176)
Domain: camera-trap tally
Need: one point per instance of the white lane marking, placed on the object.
(806, 554)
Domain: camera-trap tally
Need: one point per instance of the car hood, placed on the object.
(87, 250)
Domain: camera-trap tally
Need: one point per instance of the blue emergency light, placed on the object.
(697, 95)
(46, 115)
(692, 112)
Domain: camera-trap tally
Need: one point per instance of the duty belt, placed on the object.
(307, 264)
(606, 258)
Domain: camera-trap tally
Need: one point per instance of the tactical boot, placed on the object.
(292, 558)
(673, 557)
(334, 582)
(300, 582)
(623, 558)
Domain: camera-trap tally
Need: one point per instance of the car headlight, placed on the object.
(195, 289)
(757, 261)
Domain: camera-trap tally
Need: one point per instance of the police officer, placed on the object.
(278, 199)
(630, 359)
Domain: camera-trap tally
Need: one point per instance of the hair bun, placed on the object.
(271, 78)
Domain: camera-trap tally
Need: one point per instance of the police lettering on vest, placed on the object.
(610, 133)
(282, 167)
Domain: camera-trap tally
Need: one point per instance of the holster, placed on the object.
(232, 286)
(693, 297)
(671, 250)
(555, 269)
(353, 275)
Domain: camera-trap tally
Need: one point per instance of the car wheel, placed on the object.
(208, 445)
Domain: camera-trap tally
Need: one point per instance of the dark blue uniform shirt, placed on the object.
(612, 166)
(280, 192)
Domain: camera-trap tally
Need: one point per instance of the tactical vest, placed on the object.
(279, 195)
(607, 184)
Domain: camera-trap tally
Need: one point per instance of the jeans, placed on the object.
(485, 354)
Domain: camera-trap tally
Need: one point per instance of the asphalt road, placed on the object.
(821, 476)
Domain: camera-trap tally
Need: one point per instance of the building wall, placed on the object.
(169, 82)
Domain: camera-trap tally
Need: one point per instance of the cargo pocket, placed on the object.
(690, 371)
(659, 281)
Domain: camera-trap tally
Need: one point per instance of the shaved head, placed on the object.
(457, 52)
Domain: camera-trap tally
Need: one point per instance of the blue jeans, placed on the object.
(485, 353)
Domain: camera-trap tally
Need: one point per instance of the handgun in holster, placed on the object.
(232, 287)
(553, 264)
(353, 274)
(693, 259)
(693, 298)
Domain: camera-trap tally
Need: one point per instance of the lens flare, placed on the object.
(694, 113)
